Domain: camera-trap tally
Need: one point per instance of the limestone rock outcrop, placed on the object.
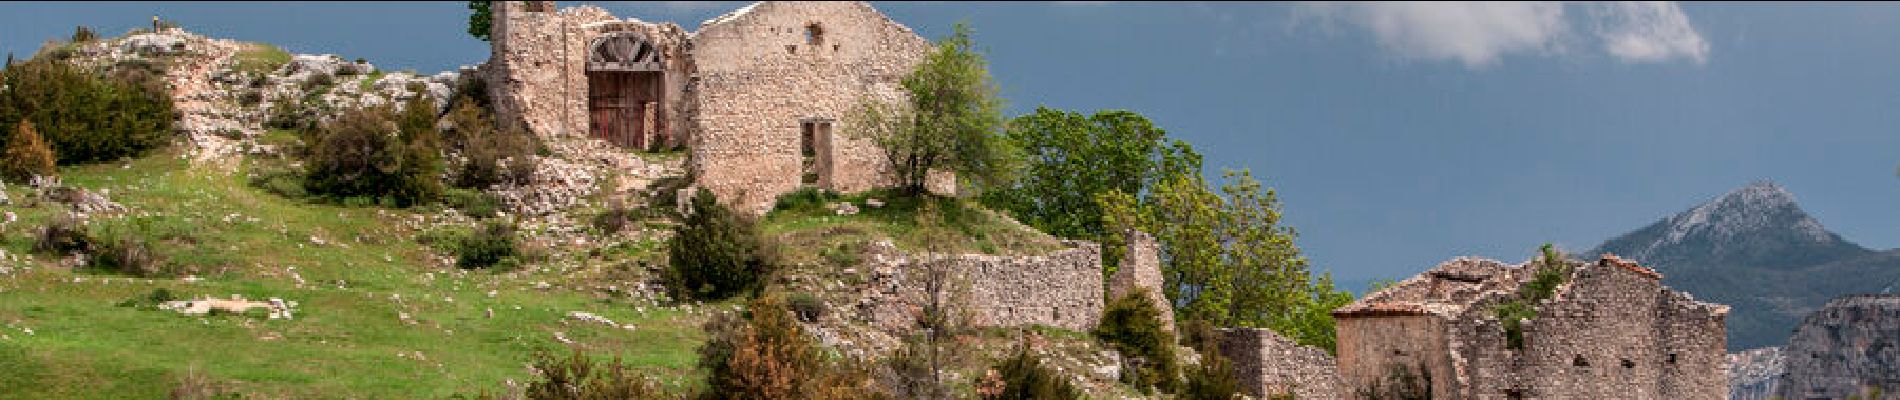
(1851, 347)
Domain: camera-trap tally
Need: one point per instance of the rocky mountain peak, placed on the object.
(1756, 224)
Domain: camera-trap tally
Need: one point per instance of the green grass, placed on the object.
(261, 58)
(345, 341)
(804, 223)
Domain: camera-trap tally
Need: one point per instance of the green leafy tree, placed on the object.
(26, 155)
(1226, 257)
(951, 123)
(1070, 158)
(479, 19)
(422, 165)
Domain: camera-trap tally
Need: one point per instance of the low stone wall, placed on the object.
(1267, 365)
(1062, 289)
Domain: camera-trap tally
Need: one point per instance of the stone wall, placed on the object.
(1268, 365)
(1141, 269)
(1610, 331)
(759, 78)
(1847, 348)
(537, 72)
(1061, 289)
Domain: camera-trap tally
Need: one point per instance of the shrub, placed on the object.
(474, 203)
(129, 255)
(63, 235)
(804, 199)
(1215, 379)
(490, 155)
(153, 298)
(808, 307)
(578, 378)
(1024, 377)
(715, 253)
(492, 245)
(768, 356)
(376, 154)
(26, 155)
(615, 218)
(87, 117)
(1132, 325)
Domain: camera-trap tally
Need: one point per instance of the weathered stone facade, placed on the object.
(1269, 365)
(1851, 347)
(1141, 269)
(1611, 330)
(1062, 289)
(758, 95)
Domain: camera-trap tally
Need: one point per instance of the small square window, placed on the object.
(814, 34)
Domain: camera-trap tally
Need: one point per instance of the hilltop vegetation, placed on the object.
(384, 227)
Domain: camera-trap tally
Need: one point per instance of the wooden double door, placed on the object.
(626, 108)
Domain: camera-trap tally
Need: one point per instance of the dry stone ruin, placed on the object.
(1611, 330)
(756, 95)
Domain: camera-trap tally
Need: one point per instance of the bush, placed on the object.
(1215, 379)
(474, 203)
(26, 155)
(809, 308)
(715, 253)
(63, 235)
(155, 297)
(768, 356)
(375, 153)
(615, 218)
(805, 199)
(578, 378)
(128, 255)
(490, 155)
(492, 245)
(83, 34)
(87, 117)
(1132, 325)
(1024, 377)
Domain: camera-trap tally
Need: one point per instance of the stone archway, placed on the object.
(625, 90)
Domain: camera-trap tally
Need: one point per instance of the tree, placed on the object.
(715, 253)
(480, 19)
(85, 116)
(26, 155)
(951, 122)
(1227, 259)
(1069, 158)
(421, 170)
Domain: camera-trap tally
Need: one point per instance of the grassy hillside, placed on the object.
(379, 315)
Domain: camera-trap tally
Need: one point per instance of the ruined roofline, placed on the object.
(1632, 266)
(1451, 287)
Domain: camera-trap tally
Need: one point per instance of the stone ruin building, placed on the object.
(1610, 331)
(756, 95)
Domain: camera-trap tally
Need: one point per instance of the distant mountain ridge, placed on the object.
(1755, 249)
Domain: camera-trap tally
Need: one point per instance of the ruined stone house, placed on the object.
(757, 96)
(1610, 331)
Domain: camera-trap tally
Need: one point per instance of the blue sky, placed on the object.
(1398, 135)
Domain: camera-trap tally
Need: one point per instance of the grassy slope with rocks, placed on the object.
(379, 315)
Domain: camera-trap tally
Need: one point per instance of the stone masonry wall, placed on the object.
(1268, 364)
(537, 74)
(1141, 269)
(758, 79)
(1609, 332)
(1061, 289)
(1371, 346)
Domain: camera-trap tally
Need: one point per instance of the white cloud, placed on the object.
(1649, 31)
(1480, 34)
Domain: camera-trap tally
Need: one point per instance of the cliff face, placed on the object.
(1754, 374)
(1850, 347)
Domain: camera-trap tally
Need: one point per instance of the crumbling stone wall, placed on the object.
(759, 78)
(1141, 269)
(537, 72)
(1610, 331)
(1269, 365)
(1062, 289)
(1849, 347)
(738, 92)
